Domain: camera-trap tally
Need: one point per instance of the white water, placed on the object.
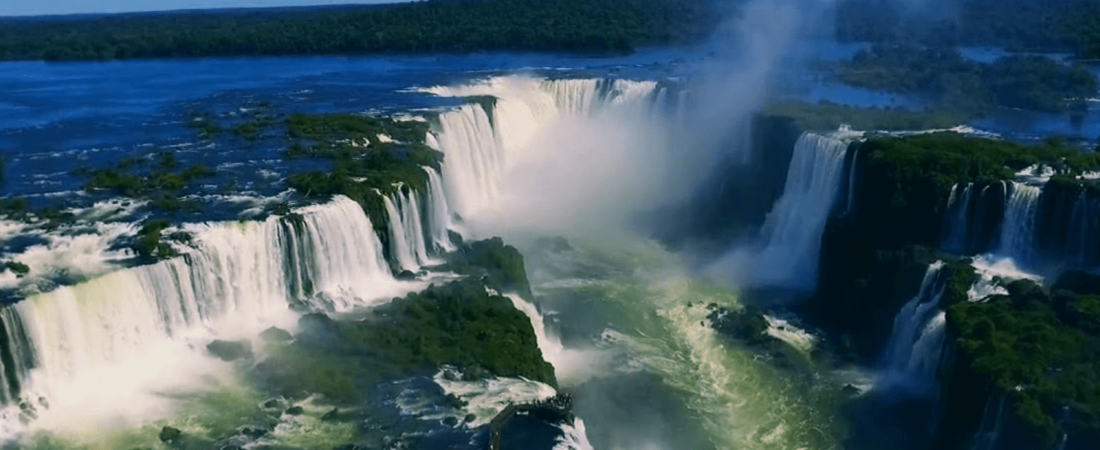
(570, 366)
(958, 207)
(791, 234)
(1084, 230)
(916, 341)
(574, 437)
(439, 214)
(485, 398)
(409, 204)
(798, 338)
(399, 242)
(1018, 227)
(992, 272)
(483, 148)
(108, 350)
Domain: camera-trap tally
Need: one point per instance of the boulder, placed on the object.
(295, 411)
(450, 421)
(169, 434)
(276, 335)
(406, 275)
(230, 350)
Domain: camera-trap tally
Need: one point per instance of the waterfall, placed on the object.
(480, 146)
(240, 277)
(439, 214)
(409, 204)
(852, 184)
(989, 431)
(399, 242)
(958, 214)
(916, 341)
(1083, 235)
(474, 157)
(792, 230)
(1018, 226)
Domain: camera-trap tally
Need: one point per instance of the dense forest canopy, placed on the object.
(598, 26)
(1048, 25)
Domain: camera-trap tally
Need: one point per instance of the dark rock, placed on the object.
(850, 390)
(450, 421)
(712, 306)
(254, 432)
(169, 434)
(455, 402)
(274, 403)
(295, 411)
(456, 238)
(276, 335)
(331, 415)
(747, 324)
(406, 275)
(470, 418)
(230, 350)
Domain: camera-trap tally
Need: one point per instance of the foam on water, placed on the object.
(484, 398)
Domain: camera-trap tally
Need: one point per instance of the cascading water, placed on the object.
(474, 158)
(439, 214)
(409, 204)
(1018, 227)
(1083, 235)
(917, 339)
(480, 146)
(399, 242)
(792, 231)
(958, 207)
(139, 326)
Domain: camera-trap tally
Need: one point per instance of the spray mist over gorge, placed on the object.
(681, 225)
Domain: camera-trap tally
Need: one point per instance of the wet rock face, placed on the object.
(746, 325)
(230, 350)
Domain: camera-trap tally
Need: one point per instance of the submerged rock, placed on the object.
(406, 275)
(295, 411)
(450, 421)
(169, 434)
(470, 418)
(276, 335)
(747, 324)
(230, 350)
(331, 415)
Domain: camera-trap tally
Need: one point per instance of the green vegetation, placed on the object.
(944, 76)
(161, 181)
(500, 266)
(589, 26)
(18, 268)
(873, 258)
(1061, 25)
(830, 116)
(148, 244)
(1037, 351)
(363, 167)
(458, 324)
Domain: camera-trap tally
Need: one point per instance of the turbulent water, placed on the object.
(1018, 226)
(145, 328)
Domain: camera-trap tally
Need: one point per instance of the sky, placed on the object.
(43, 7)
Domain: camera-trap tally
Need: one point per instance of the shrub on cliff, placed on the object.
(1037, 351)
(458, 324)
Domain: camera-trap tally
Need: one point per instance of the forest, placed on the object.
(1071, 26)
(456, 26)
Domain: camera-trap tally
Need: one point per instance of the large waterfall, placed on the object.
(239, 278)
(958, 217)
(1018, 227)
(791, 235)
(482, 145)
(913, 352)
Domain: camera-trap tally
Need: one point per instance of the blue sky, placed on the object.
(39, 7)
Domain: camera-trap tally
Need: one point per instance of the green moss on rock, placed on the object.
(500, 266)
